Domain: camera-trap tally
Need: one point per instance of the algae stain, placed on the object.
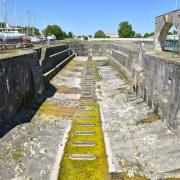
(18, 154)
(55, 109)
(85, 170)
(152, 118)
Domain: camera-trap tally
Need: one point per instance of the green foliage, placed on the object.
(64, 35)
(138, 35)
(85, 38)
(55, 30)
(100, 34)
(70, 35)
(125, 30)
(30, 30)
(148, 35)
(2, 25)
(170, 33)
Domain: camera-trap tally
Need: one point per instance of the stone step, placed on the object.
(87, 106)
(88, 78)
(138, 102)
(87, 85)
(87, 89)
(88, 100)
(87, 96)
(133, 99)
(84, 143)
(86, 117)
(82, 157)
(85, 133)
(87, 124)
(86, 110)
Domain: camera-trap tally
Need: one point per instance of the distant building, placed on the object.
(112, 35)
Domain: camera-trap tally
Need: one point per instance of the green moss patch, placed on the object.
(82, 170)
(152, 118)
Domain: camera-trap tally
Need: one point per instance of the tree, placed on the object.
(148, 35)
(85, 38)
(70, 35)
(56, 30)
(100, 34)
(138, 35)
(30, 30)
(64, 36)
(125, 30)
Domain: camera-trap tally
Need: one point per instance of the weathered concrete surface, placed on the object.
(34, 150)
(161, 81)
(84, 49)
(20, 79)
(137, 143)
(154, 76)
(163, 24)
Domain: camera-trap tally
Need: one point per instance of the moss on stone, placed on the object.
(1, 158)
(55, 109)
(96, 169)
(18, 154)
(85, 170)
(125, 176)
(152, 118)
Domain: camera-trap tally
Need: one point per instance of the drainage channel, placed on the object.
(84, 155)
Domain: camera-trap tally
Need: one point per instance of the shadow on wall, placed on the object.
(27, 112)
(22, 78)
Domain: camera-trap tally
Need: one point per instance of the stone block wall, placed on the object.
(86, 48)
(22, 77)
(20, 80)
(54, 56)
(162, 86)
(154, 78)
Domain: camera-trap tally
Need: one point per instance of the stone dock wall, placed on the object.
(84, 49)
(22, 77)
(154, 78)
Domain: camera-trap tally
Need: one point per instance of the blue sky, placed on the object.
(88, 16)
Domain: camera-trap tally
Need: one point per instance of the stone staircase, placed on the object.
(85, 156)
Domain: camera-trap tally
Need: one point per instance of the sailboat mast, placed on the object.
(15, 17)
(5, 15)
(28, 29)
(33, 25)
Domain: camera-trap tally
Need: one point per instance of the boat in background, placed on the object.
(10, 35)
(35, 39)
(51, 38)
